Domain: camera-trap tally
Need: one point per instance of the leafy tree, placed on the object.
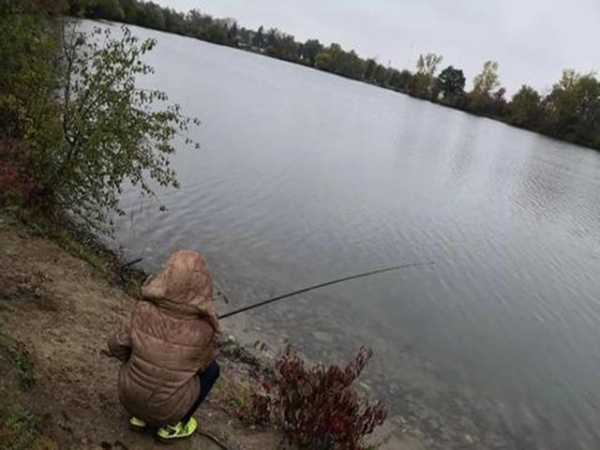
(131, 10)
(370, 66)
(452, 83)
(28, 75)
(232, 34)
(174, 21)
(29, 114)
(281, 45)
(480, 98)
(259, 38)
(487, 80)
(423, 82)
(400, 80)
(420, 85)
(324, 61)
(245, 37)
(380, 75)
(428, 64)
(573, 108)
(525, 108)
(499, 105)
(395, 80)
(215, 32)
(151, 15)
(310, 50)
(113, 131)
(106, 9)
(78, 7)
(197, 24)
(346, 63)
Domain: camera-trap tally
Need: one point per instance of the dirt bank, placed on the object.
(59, 391)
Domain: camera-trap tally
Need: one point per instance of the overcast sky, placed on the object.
(533, 40)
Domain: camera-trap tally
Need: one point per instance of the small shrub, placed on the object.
(318, 407)
(114, 131)
(259, 410)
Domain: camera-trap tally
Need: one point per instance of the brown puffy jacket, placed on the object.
(170, 338)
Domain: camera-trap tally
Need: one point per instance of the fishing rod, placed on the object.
(322, 285)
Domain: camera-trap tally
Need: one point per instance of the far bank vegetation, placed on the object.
(570, 111)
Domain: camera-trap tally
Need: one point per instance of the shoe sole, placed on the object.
(172, 440)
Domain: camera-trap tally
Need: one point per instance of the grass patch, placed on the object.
(234, 395)
(21, 430)
(80, 245)
(21, 360)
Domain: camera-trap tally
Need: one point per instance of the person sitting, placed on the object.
(168, 349)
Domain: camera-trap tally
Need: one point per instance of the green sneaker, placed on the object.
(172, 433)
(136, 424)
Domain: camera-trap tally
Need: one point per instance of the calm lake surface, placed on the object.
(304, 177)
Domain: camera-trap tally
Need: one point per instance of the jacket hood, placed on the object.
(183, 287)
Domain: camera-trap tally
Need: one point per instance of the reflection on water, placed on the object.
(304, 177)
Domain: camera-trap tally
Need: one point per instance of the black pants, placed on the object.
(207, 381)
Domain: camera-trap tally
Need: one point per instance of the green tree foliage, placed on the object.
(324, 61)
(573, 108)
(310, 50)
(281, 45)
(526, 108)
(380, 75)
(113, 131)
(487, 80)
(452, 84)
(151, 15)
(29, 76)
(174, 21)
(480, 98)
(232, 34)
(73, 124)
(424, 84)
(259, 38)
(106, 9)
(28, 85)
(335, 59)
(131, 9)
(428, 64)
(399, 80)
(370, 66)
(78, 7)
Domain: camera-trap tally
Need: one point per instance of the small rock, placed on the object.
(322, 336)
(366, 387)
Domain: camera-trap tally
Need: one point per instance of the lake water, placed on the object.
(304, 177)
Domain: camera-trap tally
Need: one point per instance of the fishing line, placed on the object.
(322, 285)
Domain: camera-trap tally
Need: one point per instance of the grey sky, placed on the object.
(533, 40)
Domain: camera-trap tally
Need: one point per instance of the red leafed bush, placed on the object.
(319, 408)
(261, 408)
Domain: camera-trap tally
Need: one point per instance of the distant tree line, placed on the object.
(570, 111)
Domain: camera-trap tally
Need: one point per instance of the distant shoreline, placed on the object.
(566, 114)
